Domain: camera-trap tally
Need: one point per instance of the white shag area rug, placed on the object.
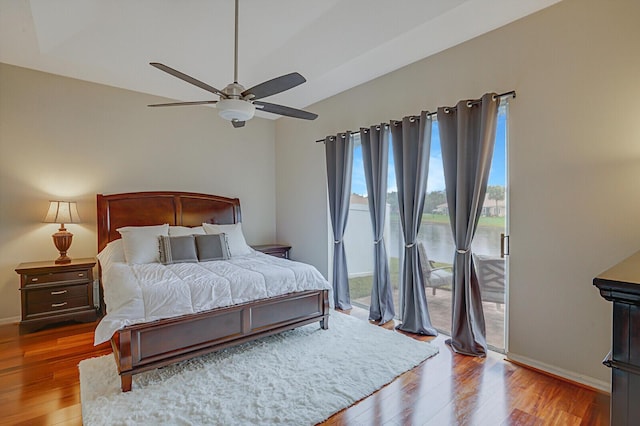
(299, 377)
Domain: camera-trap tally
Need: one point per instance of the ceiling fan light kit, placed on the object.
(236, 104)
(235, 109)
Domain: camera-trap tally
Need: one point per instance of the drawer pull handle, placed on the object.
(57, 305)
(58, 292)
(34, 280)
(81, 275)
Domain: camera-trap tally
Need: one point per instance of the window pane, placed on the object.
(490, 267)
(358, 236)
(436, 238)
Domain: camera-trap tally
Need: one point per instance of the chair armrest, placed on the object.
(442, 268)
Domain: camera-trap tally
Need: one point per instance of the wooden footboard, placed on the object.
(146, 346)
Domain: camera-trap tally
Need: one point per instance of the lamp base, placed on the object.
(63, 259)
(62, 240)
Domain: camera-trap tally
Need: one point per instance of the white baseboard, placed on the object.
(565, 374)
(10, 320)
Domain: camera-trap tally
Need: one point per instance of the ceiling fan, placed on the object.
(236, 103)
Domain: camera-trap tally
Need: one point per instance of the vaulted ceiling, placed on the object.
(335, 44)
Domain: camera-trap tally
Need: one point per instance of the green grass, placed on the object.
(484, 220)
(361, 286)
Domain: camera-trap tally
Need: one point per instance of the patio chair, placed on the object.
(434, 277)
(491, 278)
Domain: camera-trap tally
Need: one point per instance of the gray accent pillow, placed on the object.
(177, 249)
(212, 247)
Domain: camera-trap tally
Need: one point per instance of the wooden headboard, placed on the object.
(157, 208)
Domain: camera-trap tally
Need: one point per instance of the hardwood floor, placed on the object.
(39, 385)
(39, 382)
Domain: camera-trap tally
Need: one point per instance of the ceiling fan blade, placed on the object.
(187, 78)
(284, 110)
(237, 123)
(275, 85)
(184, 103)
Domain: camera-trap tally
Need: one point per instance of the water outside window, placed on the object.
(436, 239)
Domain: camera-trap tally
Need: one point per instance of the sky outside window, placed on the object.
(435, 181)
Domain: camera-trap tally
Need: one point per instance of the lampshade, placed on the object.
(62, 212)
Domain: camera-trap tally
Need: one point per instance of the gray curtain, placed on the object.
(375, 155)
(411, 140)
(467, 136)
(339, 155)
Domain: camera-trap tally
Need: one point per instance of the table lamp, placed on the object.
(62, 212)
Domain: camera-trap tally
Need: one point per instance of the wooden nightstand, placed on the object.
(277, 250)
(52, 293)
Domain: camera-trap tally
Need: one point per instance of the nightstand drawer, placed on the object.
(56, 277)
(56, 294)
(53, 306)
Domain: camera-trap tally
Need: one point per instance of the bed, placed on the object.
(144, 346)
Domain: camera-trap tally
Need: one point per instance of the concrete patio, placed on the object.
(440, 314)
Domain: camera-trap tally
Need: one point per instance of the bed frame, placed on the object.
(147, 346)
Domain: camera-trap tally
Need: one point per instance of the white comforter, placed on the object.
(141, 293)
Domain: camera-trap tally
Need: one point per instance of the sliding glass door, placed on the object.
(435, 239)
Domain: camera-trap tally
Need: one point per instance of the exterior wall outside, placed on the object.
(62, 138)
(358, 240)
(574, 152)
(489, 208)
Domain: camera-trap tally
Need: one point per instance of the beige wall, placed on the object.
(62, 138)
(574, 162)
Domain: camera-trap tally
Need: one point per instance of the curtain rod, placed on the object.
(509, 94)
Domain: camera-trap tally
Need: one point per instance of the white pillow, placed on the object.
(235, 238)
(183, 231)
(112, 252)
(141, 244)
